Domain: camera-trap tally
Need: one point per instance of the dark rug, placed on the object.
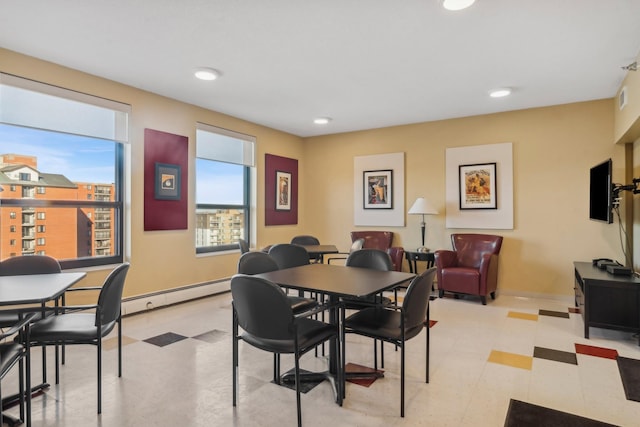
(522, 414)
(630, 374)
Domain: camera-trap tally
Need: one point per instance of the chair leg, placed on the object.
(483, 298)
(381, 354)
(99, 373)
(428, 339)
(375, 355)
(297, 377)
(234, 362)
(402, 380)
(119, 347)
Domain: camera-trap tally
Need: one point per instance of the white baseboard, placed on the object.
(172, 296)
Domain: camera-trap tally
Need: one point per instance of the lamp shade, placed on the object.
(422, 207)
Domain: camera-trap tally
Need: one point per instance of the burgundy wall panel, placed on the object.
(283, 164)
(162, 147)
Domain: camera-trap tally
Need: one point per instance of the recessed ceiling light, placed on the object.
(322, 120)
(205, 73)
(457, 4)
(501, 92)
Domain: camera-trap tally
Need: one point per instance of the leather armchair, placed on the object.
(381, 240)
(471, 267)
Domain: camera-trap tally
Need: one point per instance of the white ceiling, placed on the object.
(365, 63)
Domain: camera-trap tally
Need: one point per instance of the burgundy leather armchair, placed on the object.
(381, 240)
(471, 267)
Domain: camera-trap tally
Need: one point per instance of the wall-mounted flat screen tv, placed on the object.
(601, 192)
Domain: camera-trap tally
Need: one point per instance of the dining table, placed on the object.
(319, 251)
(32, 292)
(336, 282)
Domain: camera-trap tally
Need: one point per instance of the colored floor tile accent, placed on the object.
(555, 355)
(213, 336)
(365, 381)
(524, 316)
(305, 386)
(165, 339)
(522, 414)
(574, 310)
(630, 374)
(561, 314)
(511, 359)
(589, 350)
(432, 323)
(112, 343)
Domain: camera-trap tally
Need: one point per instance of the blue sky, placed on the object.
(80, 159)
(84, 159)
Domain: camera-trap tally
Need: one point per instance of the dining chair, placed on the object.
(15, 348)
(261, 309)
(23, 265)
(288, 255)
(76, 326)
(397, 324)
(243, 245)
(355, 246)
(308, 240)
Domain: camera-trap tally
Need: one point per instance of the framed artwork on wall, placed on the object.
(477, 186)
(378, 189)
(167, 179)
(283, 191)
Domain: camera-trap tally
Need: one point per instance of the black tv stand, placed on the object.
(605, 300)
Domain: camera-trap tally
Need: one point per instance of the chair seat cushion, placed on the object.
(310, 334)
(10, 352)
(9, 319)
(71, 327)
(301, 304)
(377, 322)
(460, 279)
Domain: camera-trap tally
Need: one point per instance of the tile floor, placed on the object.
(177, 372)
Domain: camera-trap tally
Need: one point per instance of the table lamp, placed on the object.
(422, 207)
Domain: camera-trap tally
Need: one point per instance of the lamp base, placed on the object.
(422, 249)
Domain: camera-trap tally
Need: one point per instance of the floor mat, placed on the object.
(630, 374)
(522, 414)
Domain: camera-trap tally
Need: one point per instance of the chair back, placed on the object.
(374, 239)
(256, 263)
(470, 247)
(262, 308)
(374, 259)
(416, 299)
(305, 240)
(29, 264)
(110, 298)
(244, 246)
(288, 255)
(356, 245)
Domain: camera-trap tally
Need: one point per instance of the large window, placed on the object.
(223, 188)
(64, 151)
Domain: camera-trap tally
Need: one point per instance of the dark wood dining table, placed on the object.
(337, 281)
(319, 251)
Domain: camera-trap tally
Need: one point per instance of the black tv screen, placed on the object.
(601, 193)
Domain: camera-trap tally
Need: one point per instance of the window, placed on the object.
(224, 162)
(12, 228)
(12, 242)
(12, 215)
(12, 187)
(63, 144)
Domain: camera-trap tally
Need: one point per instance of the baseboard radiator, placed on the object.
(153, 300)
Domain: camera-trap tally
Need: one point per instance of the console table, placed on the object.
(605, 300)
(414, 257)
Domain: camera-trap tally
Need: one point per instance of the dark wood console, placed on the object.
(605, 300)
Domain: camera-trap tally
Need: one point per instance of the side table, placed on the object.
(414, 257)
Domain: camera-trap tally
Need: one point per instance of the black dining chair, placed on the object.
(397, 324)
(288, 255)
(308, 240)
(23, 265)
(15, 348)
(262, 310)
(75, 326)
(243, 245)
(355, 246)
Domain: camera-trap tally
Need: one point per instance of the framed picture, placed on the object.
(478, 186)
(167, 179)
(283, 191)
(378, 189)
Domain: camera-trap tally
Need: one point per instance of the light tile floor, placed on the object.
(481, 357)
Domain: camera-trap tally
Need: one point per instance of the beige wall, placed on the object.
(166, 259)
(553, 149)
